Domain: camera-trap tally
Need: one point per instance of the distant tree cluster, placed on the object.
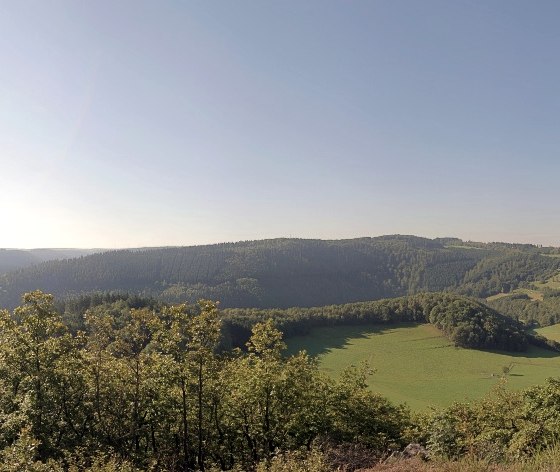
(533, 312)
(472, 324)
(467, 322)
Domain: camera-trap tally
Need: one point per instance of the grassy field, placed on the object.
(553, 283)
(532, 294)
(417, 365)
(550, 332)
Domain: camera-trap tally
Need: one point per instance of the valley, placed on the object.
(417, 365)
(394, 325)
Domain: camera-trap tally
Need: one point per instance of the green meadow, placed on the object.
(532, 294)
(552, 283)
(417, 365)
(550, 332)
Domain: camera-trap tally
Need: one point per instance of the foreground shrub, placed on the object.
(296, 461)
(503, 426)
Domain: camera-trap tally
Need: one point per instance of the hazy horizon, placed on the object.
(272, 238)
(144, 124)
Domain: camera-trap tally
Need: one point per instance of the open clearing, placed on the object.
(552, 283)
(532, 294)
(417, 365)
(550, 332)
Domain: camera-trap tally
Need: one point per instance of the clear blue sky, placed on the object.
(138, 123)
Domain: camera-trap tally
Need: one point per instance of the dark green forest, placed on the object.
(536, 312)
(292, 272)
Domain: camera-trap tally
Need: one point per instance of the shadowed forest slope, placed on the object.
(292, 272)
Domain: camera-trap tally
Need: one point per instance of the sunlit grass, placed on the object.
(553, 283)
(550, 332)
(416, 364)
(532, 294)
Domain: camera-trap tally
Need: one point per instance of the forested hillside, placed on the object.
(538, 312)
(506, 271)
(13, 259)
(292, 272)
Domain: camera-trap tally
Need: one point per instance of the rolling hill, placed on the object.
(291, 272)
(14, 259)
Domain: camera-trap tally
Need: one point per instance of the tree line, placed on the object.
(467, 322)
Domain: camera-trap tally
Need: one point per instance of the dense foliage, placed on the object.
(504, 272)
(151, 391)
(281, 272)
(147, 388)
(467, 322)
(298, 272)
(504, 425)
(292, 272)
(535, 312)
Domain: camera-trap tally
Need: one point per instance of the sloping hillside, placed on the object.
(287, 272)
(14, 259)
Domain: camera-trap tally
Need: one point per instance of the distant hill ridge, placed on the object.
(14, 259)
(291, 272)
